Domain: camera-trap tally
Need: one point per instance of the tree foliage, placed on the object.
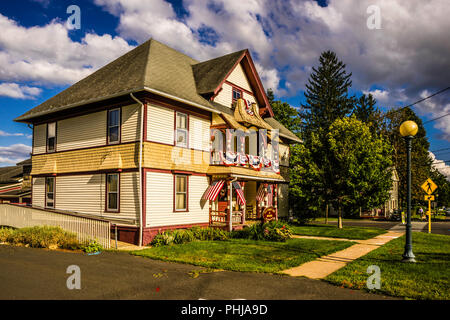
(327, 96)
(284, 113)
(420, 158)
(361, 165)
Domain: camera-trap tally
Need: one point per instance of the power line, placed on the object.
(423, 99)
(443, 149)
(436, 118)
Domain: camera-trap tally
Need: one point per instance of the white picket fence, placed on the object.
(86, 228)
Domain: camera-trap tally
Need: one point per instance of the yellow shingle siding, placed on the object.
(93, 159)
(160, 156)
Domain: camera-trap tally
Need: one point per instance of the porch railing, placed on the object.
(86, 228)
(221, 217)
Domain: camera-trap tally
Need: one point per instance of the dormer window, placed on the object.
(51, 137)
(237, 94)
(114, 126)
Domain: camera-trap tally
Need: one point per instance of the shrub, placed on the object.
(269, 231)
(180, 236)
(92, 246)
(5, 233)
(41, 237)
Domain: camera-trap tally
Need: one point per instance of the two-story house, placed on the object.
(136, 143)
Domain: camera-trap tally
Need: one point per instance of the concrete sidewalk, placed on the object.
(322, 267)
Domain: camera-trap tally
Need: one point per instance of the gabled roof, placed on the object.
(210, 74)
(152, 65)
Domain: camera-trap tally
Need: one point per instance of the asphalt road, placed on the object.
(436, 227)
(28, 273)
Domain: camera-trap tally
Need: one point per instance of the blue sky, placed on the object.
(402, 61)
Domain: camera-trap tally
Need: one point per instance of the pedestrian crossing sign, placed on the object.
(429, 186)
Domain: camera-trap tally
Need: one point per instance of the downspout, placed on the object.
(141, 138)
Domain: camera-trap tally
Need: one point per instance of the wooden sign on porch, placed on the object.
(269, 214)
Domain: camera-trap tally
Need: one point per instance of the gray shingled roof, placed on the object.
(209, 74)
(151, 65)
(284, 132)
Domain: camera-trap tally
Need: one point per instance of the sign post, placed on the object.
(429, 186)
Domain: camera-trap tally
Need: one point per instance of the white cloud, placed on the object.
(17, 91)
(7, 134)
(14, 153)
(441, 166)
(46, 55)
(233, 23)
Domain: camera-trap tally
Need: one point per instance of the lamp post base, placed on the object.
(408, 257)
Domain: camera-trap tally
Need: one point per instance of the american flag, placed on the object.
(261, 192)
(269, 195)
(213, 190)
(239, 192)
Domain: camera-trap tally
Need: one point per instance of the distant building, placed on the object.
(391, 204)
(15, 183)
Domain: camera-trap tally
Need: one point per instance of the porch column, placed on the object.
(257, 202)
(230, 207)
(244, 210)
(275, 200)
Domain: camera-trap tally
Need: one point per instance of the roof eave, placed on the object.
(122, 93)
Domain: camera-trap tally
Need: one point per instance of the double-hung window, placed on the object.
(237, 94)
(51, 137)
(181, 139)
(112, 192)
(114, 126)
(50, 192)
(181, 193)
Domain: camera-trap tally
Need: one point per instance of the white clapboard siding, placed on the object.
(131, 123)
(160, 124)
(86, 194)
(38, 192)
(39, 136)
(80, 193)
(199, 133)
(225, 95)
(81, 132)
(129, 195)
(238, 78)
(159, 201)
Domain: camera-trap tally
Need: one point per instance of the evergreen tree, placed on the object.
(365, 108)
(327, 97)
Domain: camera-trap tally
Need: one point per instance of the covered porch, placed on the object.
(237, 200)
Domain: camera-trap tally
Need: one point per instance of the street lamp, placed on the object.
(408, 130)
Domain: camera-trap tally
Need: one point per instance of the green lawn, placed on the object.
(245, 255)
(332, 231)
(428, 278)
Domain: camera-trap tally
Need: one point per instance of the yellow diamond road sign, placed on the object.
(429, 186)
